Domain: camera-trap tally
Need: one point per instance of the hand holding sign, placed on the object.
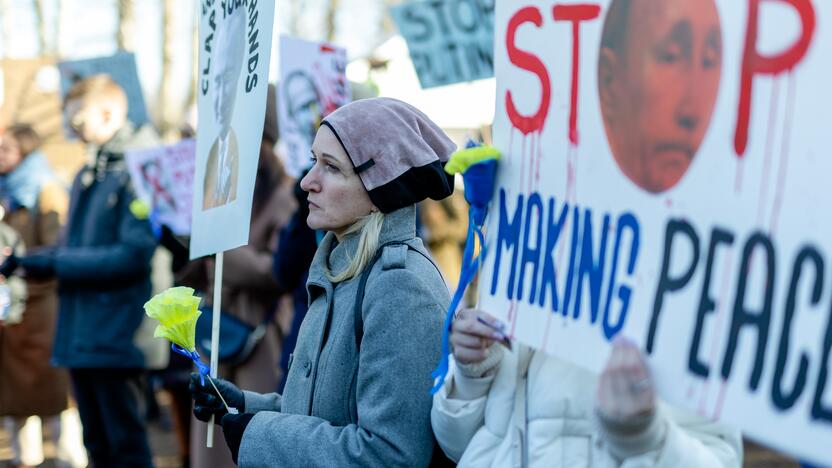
(474, 331)
(625, 389)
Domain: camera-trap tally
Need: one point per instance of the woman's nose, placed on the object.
(308, 181)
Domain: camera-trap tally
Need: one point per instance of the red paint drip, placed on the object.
(573, 168)
(522, 163)
(720, 399)
(530, 157)
(539, 156)
(718, 325)
(772, 121)
(516, 308)
(510, 155)
(738, 177)
(782, 170)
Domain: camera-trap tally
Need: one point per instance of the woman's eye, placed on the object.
(332, 168)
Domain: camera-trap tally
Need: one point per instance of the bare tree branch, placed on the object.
(126, 24)
(195, 48)
(41, 25)
(329, 18)
(7, 24)
(166, 110)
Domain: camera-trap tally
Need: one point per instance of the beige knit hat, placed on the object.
(397, 151)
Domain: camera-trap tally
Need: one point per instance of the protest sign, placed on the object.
(665, 177)
(313, 83)
(121, 67)
(235, 41)
(449, 40)
(163, 177)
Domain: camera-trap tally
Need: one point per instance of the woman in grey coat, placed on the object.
(357, 393)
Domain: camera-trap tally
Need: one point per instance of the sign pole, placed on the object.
(215, 334)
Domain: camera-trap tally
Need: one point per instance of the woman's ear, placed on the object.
(608, 83)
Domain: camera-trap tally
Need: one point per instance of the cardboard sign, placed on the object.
(235, 39)
(666, 177)
(449, 40)
(121, 67)
(313, 83)
(163, 177)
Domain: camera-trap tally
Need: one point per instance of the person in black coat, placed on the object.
(103, 269)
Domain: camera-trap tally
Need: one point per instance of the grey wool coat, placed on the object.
(347, 408)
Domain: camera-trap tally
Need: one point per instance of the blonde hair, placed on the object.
(368, 229)
(97, 87)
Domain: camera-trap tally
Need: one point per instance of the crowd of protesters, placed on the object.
(350, 298)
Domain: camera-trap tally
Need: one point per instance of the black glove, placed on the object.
(206, 401)
(39, 263)
(9, 265)
(233, 427)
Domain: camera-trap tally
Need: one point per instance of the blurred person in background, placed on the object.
(250, 291)
(35, 206)
(445, 228)
(103, 269)
(502, 407)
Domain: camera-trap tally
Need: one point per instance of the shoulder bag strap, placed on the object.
(362, 285)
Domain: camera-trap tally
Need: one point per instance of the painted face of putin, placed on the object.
(658, 77)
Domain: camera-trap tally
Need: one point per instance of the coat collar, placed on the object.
(397, 226)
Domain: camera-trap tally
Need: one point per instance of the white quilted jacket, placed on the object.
(474, 420)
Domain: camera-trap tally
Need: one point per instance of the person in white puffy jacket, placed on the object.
(502, 408)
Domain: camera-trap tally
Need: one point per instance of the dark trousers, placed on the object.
(111, 406)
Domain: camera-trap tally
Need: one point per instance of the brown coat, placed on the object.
(249, 293)
(29, 385)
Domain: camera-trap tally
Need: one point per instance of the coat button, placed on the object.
(308, 366)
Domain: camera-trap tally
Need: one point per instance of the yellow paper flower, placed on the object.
(177, 311)
(461, 160)
(140, 209)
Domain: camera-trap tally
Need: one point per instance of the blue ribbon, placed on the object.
(193, 356)
(479, 185)
(156, 227)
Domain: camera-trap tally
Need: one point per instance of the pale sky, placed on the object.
(358, 32)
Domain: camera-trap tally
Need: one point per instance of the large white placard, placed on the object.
(313, 83)
(163, 178)
(666, 177)
(235, 39)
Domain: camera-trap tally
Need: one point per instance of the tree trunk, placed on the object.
(196, 47)
(126, 23)
(166, 110)
(331, 13)
(41, 25)
(296, 16)
(7, 25)
(64, 18)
